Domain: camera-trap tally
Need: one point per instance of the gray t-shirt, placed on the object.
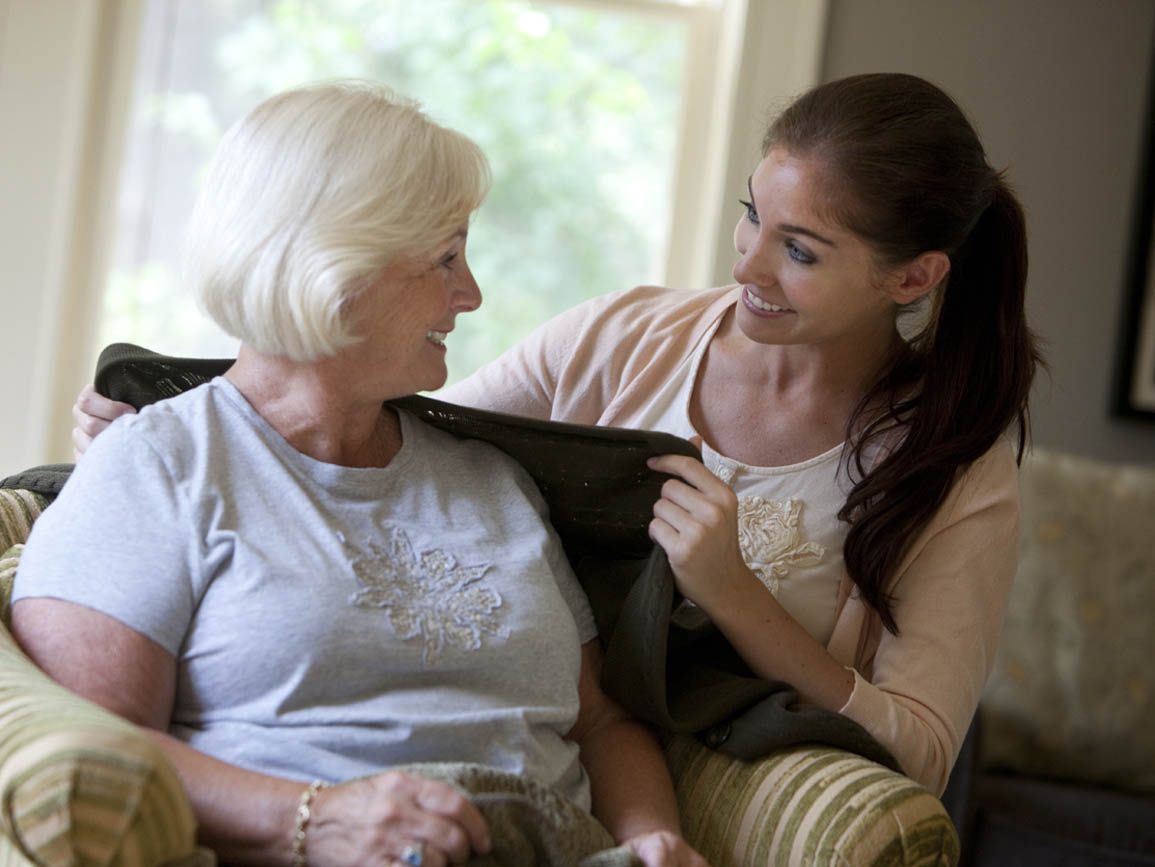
(327, 621)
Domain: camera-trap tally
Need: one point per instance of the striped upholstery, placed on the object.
(80, 787)
(9, 560)
(18, 509)
(807, 805)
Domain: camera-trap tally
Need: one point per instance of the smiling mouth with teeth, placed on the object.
(757, 302)
(437, 337)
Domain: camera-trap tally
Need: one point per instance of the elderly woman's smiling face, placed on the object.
(405, 316)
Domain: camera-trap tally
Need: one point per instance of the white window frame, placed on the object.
(66, 75)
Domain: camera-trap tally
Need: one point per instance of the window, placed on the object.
(111, 108)
(577, 106)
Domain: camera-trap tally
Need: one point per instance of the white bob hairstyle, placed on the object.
(309, 197)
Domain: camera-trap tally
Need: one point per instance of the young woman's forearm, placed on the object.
(777, 647)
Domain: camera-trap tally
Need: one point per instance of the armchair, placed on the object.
(80, 786)
(1062, 771)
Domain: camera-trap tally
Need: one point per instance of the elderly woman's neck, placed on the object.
(318, 409)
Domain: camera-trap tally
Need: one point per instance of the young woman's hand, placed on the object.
(696, 523)
(376, 820)
(92, 413)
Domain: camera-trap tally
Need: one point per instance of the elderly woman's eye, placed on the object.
(447, 259)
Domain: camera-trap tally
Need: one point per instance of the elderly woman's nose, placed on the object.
(468, 293)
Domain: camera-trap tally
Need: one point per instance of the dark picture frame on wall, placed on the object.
(1134, 395)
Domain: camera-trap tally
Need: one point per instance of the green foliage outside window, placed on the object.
(576, 108)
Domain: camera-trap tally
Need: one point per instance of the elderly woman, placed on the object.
(294, 587)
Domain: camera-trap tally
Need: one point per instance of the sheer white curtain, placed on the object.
(577, 106)
(102, 138)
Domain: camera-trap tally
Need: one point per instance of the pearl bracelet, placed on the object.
(300, 826)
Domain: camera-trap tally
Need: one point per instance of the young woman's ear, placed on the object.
(919, 276)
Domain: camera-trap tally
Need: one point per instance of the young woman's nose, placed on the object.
(752, 264)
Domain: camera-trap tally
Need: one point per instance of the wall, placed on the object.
(62, 82)
(1057, 89)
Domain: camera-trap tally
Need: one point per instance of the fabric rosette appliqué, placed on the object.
(770, 538)
(427, 594)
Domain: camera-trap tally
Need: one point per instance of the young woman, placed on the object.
(853, 530)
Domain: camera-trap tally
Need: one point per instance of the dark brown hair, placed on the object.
(906, 172)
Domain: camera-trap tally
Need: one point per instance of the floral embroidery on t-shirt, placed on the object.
(427, 595)
(770, 539)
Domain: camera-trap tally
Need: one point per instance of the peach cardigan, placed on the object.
(915, 692)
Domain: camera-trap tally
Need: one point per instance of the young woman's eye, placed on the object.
(751, 212)
(798, 254)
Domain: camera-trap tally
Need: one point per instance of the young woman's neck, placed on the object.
(843, 372)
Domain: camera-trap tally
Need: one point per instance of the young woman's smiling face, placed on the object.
(805, 280)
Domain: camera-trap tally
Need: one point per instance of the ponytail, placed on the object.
(956, 388)
(906, 172)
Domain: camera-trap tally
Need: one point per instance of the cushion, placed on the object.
(79, 785)
(9, 560)
(1072, 695)
(18, 509)
(806, 805)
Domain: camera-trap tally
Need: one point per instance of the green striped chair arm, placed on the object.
(808, 805)
(78, 785)
(18, 509)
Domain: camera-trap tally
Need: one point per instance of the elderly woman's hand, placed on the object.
(92, 413)
(664, 849)
(377, 820)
